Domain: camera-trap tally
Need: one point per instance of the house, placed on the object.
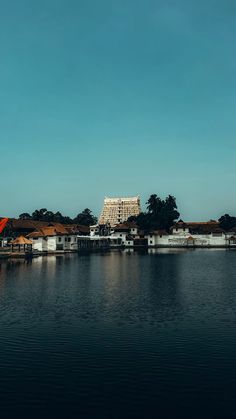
(157, 237)
(192, 234)
(230, 237)
(200, 234)
(57, 237)
(100, 230)
(127, 232)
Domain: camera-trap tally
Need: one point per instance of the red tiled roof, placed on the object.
(200, 227)
(160, 232)
(21, 240)
(126, 226)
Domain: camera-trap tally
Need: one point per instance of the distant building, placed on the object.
(193, 234)
(57, 237)
(118, 210)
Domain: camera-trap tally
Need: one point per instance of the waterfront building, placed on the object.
(127, 232)
(193, 234)
(57, 237)
(118, 210)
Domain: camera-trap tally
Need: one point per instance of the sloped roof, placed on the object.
(26, 225)
(78, 228)
(160, 232)
(57, 229)
(200, 226)
(125, 226)
(21, 240)
(49, 231)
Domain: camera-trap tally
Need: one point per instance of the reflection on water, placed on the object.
(119, 334)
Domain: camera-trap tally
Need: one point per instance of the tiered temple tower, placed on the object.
(118, 210)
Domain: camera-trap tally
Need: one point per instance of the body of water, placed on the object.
(119, 335)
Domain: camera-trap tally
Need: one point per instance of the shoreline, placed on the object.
(21, 255)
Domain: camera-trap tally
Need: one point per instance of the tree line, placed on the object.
(163, 214)
(85, 217)
(160, 214)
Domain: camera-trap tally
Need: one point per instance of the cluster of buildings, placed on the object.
(182, 234)
(44, 237)
(115, 231)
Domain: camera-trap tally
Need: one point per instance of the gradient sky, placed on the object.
(118, 98)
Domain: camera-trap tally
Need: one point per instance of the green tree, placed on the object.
(227, 222)
(85, 218)
(160, 214)
(58, 217)
(169, 214)
(48, 216)
(38, 215)
(25, 216)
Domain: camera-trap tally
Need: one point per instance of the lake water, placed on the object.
(119, 335)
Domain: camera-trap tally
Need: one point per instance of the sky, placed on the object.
(117, 98)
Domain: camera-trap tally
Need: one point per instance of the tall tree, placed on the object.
(38, 215)
(48, 216)
(169, 213)
(58, 217)
(160, 214)
(154, 204)
(227, 222)
(86, 218)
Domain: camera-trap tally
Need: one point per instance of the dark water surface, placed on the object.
(119, 335)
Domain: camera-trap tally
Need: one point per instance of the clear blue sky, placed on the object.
(117, 97)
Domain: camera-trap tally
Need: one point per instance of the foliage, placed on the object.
(227, 222)
(160, 214)
(39, 215)
(85, 217)
(25, 216)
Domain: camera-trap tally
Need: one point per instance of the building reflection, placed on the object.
(126, 287)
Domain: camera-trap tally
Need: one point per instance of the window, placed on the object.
(75, 239)
(150, 241)
(176, 229)
(65, 239)
(150, 236)
(69, 239)
(59, 239)
(120, 235)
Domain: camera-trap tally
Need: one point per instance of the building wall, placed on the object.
(181, 239)
(37, 244)
(51, 244)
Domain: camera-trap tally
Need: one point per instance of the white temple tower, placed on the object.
(118, 210)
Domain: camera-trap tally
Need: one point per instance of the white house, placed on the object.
(182, 234)
(193, 234)
(127, 232)
(56, 237)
